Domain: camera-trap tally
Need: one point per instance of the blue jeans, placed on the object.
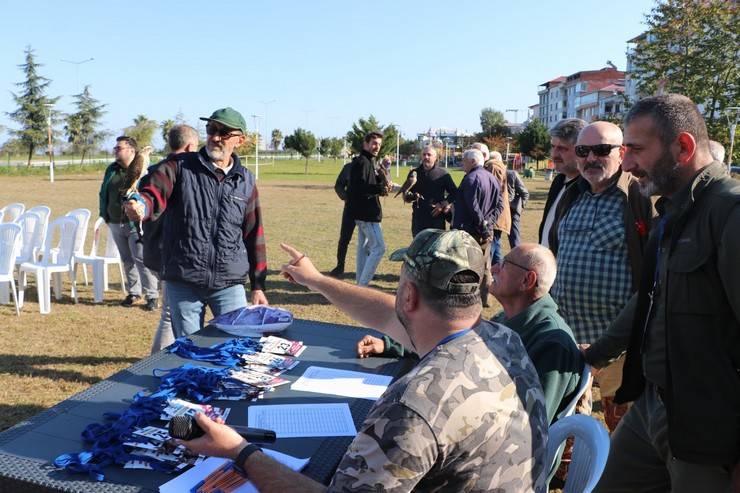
(139, 279)
(370, 250)
(497, 255)
(188, 304)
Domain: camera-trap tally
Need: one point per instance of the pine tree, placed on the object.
(33, 106)
(82, 126)
(691, 47)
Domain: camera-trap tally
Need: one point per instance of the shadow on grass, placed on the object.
(11, 414)
(27, 366)
(303, 187)
(537, 196)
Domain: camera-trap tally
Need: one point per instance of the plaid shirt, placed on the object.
(594, 280)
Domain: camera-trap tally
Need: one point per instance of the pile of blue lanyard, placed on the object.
(226, 354)
(197, 383)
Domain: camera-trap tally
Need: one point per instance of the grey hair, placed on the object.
(496, 156)
(474, 155)
(717, 151)
(568, 129)
(181, 135)
(483, 148)
(540, 260)
(430, 147)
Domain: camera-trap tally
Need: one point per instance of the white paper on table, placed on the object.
(342, 382)
(191, 477)
(303, 420)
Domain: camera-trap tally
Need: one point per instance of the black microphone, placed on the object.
(186, 428)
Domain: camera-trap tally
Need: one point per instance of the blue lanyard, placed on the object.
(226, 354)
(454, 336)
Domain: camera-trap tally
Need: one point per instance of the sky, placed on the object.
(319, 65)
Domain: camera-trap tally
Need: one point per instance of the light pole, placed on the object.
(398, 149)
(49, 107)
(508, 141)
(77, 69)
(733, 127)
(266, 103)
(257, 147)
(516, 113)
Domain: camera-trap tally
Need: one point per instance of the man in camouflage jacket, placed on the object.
(469, 417)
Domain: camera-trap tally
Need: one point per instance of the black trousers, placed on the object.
(422, 220)
(345, 235)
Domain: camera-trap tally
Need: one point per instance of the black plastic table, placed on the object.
(27, 449)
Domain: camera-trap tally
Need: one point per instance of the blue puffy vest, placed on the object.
(203, 230)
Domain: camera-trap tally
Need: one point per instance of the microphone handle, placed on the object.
(257, 435)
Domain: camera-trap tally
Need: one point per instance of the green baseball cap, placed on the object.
(436, 256)
(228, 117)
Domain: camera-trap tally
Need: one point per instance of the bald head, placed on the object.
(599, 153)
(541, 261)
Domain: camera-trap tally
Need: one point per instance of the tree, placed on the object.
(166, 126)
(332, 147)
(276, 137)
(408, 148)
(33, 106)
(142, 130)
(493, 123)
(303, 142)
(691, 47)
(534, 140)
(356, 136)
(82, 126)
(250, 143)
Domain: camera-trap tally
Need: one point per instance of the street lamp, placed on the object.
(49, 107)
(257, 147)
(398, 149)
(266, 103)
(77, 69)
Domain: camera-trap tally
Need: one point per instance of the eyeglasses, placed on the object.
(120, 148)
(600, 150)
(222, 132)
(507, 261)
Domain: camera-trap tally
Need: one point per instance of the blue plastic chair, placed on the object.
(590, 451)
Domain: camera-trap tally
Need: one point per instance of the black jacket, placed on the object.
(702, 302)
(557, 184)
(364, 190)
(434, 186)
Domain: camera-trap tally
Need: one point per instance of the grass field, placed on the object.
(45, 359)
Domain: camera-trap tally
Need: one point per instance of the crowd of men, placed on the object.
(635, 274)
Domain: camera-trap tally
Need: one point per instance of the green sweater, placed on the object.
(552, 348)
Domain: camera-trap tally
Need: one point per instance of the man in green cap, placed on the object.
(470, 416)
(213, 236)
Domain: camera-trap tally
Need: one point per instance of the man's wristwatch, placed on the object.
(243, 456)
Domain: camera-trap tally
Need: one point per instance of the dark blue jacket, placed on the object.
(478, 204)
(207, 227)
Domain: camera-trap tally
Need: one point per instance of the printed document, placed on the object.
(342, 382)
(303, 420)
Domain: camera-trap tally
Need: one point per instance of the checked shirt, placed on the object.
(594, 280)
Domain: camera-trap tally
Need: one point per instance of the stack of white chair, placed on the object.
(10, 236)
(83, 218)
(52, 265)
(31, 239)
(45, 214)
(11, 212)
(100, 262)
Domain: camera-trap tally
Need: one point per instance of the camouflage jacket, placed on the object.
(470, 416)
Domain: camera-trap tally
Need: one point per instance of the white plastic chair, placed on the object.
(10, 235)
(52, 264)
(32, 236)
(45, 214)
(100, 263)
(590, 450)
(83, 219)
(583, 385)
(11, 212)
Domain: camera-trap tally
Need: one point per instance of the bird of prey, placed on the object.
(136, 170)
(408, 184)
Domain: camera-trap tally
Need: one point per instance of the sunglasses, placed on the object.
(222, 132)
(599, 150)
(120, 148)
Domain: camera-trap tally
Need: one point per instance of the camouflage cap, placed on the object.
(436, 256)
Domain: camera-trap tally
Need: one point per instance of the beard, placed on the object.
(662, 179)
(215, 153)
